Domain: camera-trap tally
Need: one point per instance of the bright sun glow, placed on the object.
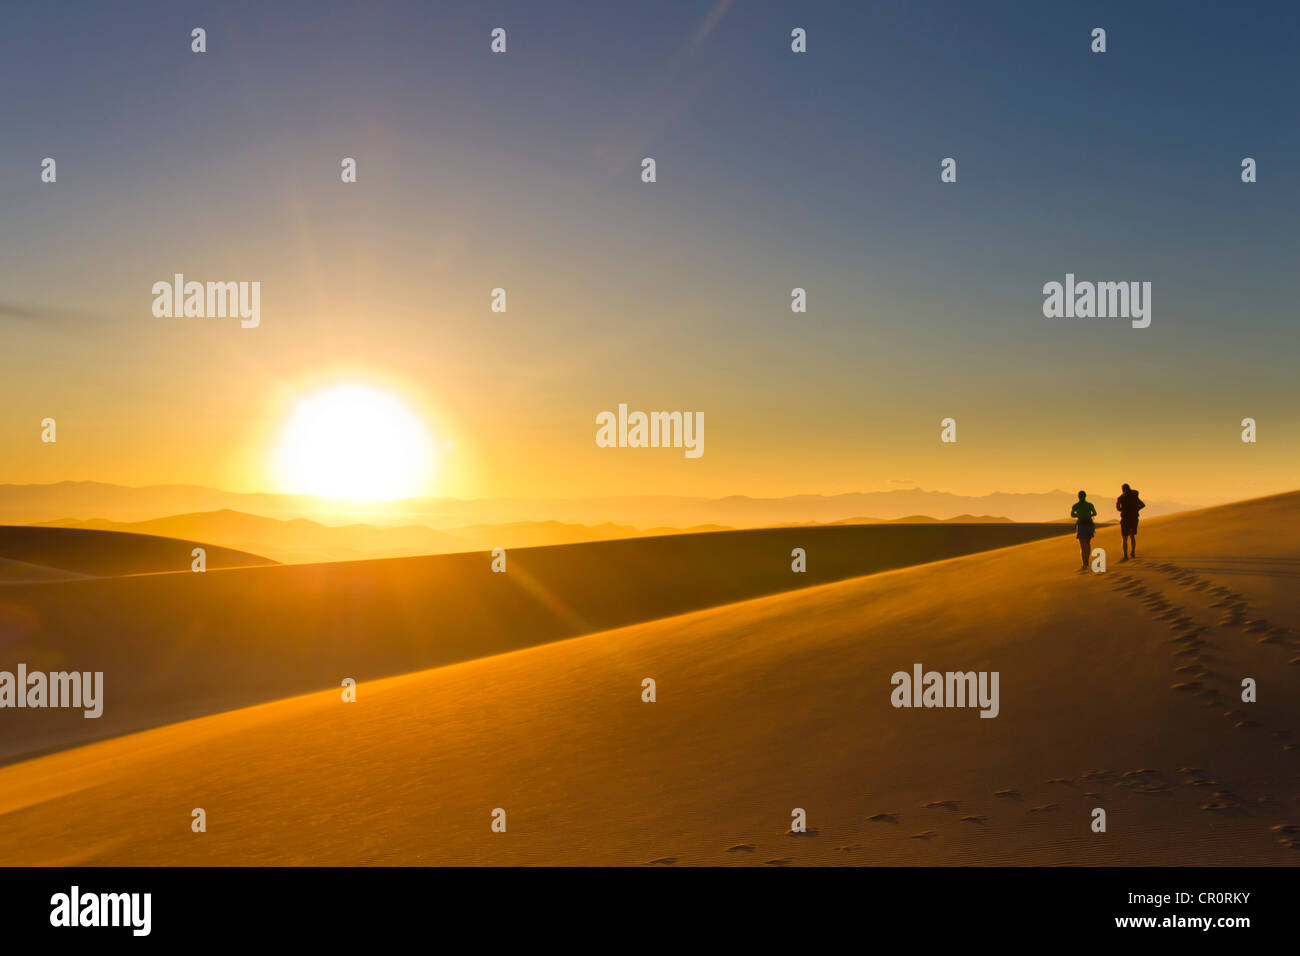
(356, 442)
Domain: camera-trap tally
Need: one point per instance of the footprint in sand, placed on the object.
(1045, 808)
(979, 820)
(742, 848)
(803, 833)
(1187, 685)
(663, 861)
(924, 835)
(786, 861)
(1245, 724)
(1009, 793)
(1217, 806)
(883, 818)
(940, 805)
(849, 849)
(1062, 780)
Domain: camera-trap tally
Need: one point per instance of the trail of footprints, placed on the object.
(1193, 655)
(1192, 650)
(1090, 786)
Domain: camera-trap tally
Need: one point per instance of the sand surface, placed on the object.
(1118, 690)
(183, 645)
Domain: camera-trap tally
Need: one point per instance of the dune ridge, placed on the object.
(65, 553)
(177, 646)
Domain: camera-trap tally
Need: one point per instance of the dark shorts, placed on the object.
(1084, 530)
(1128, 527)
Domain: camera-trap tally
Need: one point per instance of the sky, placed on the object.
(775, 170)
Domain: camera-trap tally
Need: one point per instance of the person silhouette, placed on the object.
(1083, 512)
(1128, 504)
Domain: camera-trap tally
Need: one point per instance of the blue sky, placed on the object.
(818, 170)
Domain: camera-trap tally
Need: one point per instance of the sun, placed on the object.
(354, 442)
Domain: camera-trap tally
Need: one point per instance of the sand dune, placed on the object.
(301, 541)
(20, 571)
(286, 541)
(1107, 700)
(183, 645)
(63, 553)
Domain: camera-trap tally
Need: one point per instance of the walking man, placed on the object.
(1129, 504)
(1083, 512)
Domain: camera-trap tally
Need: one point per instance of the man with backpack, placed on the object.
(1129, 504)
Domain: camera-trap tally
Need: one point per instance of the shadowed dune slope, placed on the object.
(182, 645)
(94, 553)
(1118, 691)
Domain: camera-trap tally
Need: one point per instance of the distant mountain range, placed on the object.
(84, 500)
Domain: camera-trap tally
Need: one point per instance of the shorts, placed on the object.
(1128, 527)
(1084, 531)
